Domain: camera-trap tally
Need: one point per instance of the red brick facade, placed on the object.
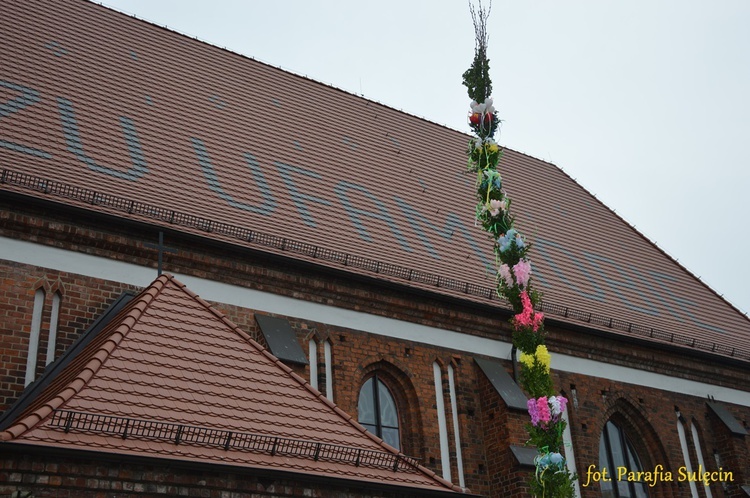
(63, 476)
(487, 426)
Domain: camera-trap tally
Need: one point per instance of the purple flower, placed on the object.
(533, 411)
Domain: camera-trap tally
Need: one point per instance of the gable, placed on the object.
(102, 111)
(173, 378)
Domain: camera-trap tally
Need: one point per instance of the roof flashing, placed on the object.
(734, 426)
(281, 339)
(524, 455)
(505, 386)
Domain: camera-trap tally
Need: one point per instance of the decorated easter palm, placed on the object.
(551, 478)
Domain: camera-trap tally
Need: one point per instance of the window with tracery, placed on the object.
(377, 411)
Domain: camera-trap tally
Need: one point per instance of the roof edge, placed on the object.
(97, 358)
(338, 411)
(550, 309)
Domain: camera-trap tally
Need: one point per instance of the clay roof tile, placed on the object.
(205, 402)
(209, 152)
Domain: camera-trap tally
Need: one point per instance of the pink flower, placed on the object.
(496, 206)
(539, 411)
(504, 271)
(522, 271)
(542, 406)
(528, 318)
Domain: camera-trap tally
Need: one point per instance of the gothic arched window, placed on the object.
(616, 450)
(377, 411)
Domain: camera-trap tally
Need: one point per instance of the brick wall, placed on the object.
(83, 299)
(486, 426)
(71, 476)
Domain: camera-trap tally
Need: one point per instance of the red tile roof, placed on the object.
(113, 114)
(170, 367)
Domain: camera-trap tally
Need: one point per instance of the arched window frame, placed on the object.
(619, 488)
(328, 357)
(312, 351)
(53, 324)
(378, 405)
(34, 335)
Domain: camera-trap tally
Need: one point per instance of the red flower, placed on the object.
(476, 118)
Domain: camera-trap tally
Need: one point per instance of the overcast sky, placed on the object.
(645, 103)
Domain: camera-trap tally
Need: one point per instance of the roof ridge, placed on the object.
(94, 359)
(330, 404)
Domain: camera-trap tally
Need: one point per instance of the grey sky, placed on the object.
(644, 103)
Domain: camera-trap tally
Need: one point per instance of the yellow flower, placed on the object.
(527, 360)
(543, 357)
(492, 147)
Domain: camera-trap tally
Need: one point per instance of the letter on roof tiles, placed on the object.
(269, 203)
(28, 97)
(542, 246)
(299, 198)
(452, 223)
(626, 282)
(683, 304)
(73, 140)
(342, 188)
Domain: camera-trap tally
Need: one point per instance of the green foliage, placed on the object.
(537, 381)
(527, 340)
(551, 480)
(483, 157)
(477, 78)
(553, 484)
(549, 438)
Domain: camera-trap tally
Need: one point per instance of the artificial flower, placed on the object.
(554, 405)
(557, 406)
(506, 239)
(485, 107)
(543, 413)
(527, 360)
(494, 178)
(543, 357)
(528, 317)
(504, 272)
(550, 460)
(495, 206)
(533, 411)
(522, 271)
(476, 118)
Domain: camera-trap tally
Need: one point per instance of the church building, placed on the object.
(222, 279)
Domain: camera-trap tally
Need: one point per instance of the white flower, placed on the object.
(554, 406)
(489, 108)
(483, 108)
(496, 206)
